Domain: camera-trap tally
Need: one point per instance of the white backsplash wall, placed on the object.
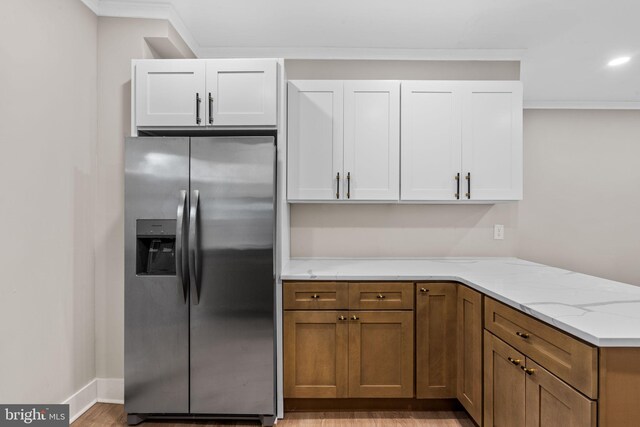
(331, 230)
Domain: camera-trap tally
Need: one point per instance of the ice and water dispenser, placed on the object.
(156, 247)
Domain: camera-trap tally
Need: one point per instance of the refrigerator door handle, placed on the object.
(180, 266)
(193, 248)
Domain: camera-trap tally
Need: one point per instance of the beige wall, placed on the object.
(119, 41)
(47, 182)
(581, 207)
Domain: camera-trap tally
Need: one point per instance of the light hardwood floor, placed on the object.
(103, 414)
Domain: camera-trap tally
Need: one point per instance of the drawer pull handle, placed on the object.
(522, 334)
(354, 317)
(315, 296)
(342, 318)
(424, 290)
(380, 296)
(528, 371)
(514, 361)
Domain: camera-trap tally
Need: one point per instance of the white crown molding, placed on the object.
(364, 53)
(134, 9)
(581, 105)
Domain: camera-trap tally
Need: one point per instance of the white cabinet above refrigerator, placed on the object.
(204, 93)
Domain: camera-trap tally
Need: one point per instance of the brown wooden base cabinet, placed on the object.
(332, 352)
(354, 342)
(519, 392)
(469, 352)
(436, 340)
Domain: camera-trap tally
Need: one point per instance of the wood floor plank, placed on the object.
(104, 414)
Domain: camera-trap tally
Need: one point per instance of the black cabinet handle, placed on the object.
(198, 100)
(348, 185)
(338, 185)
(468, 177)
(457, 186)
(210, 109)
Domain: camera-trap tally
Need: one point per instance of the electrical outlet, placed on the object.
(498, 232)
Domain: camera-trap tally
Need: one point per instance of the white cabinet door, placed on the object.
(170, 93)
(492, 141)
(372, 140)
(431, 140)
(315, 140)
(241, 92)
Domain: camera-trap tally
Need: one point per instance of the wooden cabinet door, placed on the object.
(435, 340)
(504, 384)
(316, 354)
(381, 354)
(469, 351)
(169, 92)
(372, 140)
(241, 92)
(492, 141)
(431, 140)
(315, 140)
(551, 402)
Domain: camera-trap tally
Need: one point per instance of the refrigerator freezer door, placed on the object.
(232, 321)
(156, 310)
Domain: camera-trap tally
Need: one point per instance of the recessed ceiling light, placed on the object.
(619, 61)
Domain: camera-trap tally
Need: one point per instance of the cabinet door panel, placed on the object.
(504, 384)
(315, 140)
(431, 140)
(381, 354)
(435, 340)
(492, 140)
(551, 402)
(243, 92)
(167, 92)
(315, 354)
(469, 351)
(372, 139)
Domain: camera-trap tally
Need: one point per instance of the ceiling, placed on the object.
(563, 45)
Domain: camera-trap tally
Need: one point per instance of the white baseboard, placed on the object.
(82, 400)
(104, 390)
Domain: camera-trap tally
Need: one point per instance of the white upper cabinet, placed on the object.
(199, 92)
(315, 140)
(492, 141)
(169, 92)
(461, 141)
(431, 140)
(241, 92)
(372, 140)
(343, 140)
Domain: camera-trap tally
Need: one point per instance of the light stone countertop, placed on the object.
(602, 312)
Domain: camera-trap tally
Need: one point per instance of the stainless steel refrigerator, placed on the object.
(199, 277)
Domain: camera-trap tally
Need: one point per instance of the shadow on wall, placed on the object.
(323, 230)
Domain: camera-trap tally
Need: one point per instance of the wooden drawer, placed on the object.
(568, 358)
(316, 296)
(381, 296)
